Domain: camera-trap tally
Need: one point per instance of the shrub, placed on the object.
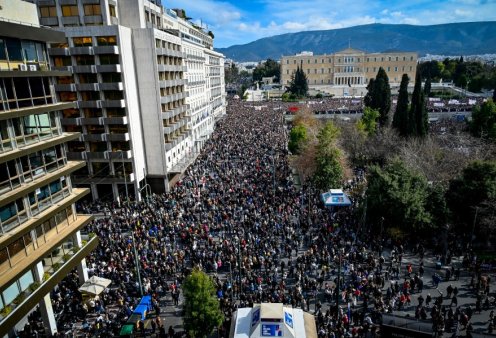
(19, 299)
(55, 266)
(35, 285)
(46, 276)
(6, 310)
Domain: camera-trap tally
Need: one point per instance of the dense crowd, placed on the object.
(237, 215)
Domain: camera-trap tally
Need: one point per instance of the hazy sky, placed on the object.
(241, 21)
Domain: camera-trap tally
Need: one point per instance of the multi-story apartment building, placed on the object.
(349, 67)
(135, 64)
(40, 239)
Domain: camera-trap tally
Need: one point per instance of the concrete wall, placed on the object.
(17, 10)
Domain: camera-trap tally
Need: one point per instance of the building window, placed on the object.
(106, 41)
(395, 69)
(92, 10)
(411, 58)
(287, 62)
(48, 11)
(70, 10)
(83, 41)
(112, 11)
(388, 69)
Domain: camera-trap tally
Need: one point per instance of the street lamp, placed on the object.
(136, 261)
(124, 172)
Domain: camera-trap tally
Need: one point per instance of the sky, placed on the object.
(241, 21)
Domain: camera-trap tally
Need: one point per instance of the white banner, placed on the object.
(434, 99)
(438, 104)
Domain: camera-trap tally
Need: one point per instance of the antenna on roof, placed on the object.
(349, 43)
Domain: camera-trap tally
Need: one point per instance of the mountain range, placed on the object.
(467, 38)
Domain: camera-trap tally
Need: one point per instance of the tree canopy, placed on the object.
(483, 122)
(368, 123)
(418, 120)
(298, 85)
(202, 312)
(400, 117)
(398, 195)
(475, 186)
(297, 138)
(379, 96)
(329, 170)
(268, 68)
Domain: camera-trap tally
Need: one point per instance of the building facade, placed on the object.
(139, 77)
(40, 240)
(349, 67)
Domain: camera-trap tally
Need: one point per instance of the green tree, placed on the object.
(231, 74)
(202, 312)
(399, 196)
(297, 138)
(368, 99)
(437, 206)
(298, 84)
(494, 95)
(427, 87)
(418, 118)
(476, 185)
(368, 122)
(329, 171)
(400, 117)
(483, 122)
(268, 68)
(379, 96)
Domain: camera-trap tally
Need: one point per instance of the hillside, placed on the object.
(468, 38)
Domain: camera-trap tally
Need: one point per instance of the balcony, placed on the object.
(88, 50)
(97, 155)
(76, 156)
(93, 19)
(113, 103)
(35, 296)
(108, 68)
(94, 137)
(172, 97)
(59, 51)
(115, 120)
(117, 137)
(70, 20)
(69, 87)
(172, 83)
(85, 69)
(171, 68)
(90, 2)
(71, 121)
(87, 87)
(49, 21)
(169, 52)
(106, 49)
(89, 104)
(91, 121)
(111, 86)
(46, 3)
(126, 154)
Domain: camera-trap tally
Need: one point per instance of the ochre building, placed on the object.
(349, 67)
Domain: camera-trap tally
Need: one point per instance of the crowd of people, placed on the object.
(237, 214)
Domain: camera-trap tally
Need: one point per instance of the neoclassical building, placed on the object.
(349, 67)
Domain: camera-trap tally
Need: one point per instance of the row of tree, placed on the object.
(472, 75)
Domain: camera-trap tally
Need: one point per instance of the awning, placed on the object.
(95, 285)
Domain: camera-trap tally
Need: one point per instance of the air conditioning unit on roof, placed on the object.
(32, 68)
(23, 67)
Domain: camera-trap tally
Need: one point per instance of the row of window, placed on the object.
(351, 69)
(22, 92)
(19, 249)
(351, 59)
(70, 10)
(17, 212)
(26, 130)
(99, 146)
(91, 78)
(25, 169)
(91, 95)
(86, 60)
(93, 112)
(12, 49)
